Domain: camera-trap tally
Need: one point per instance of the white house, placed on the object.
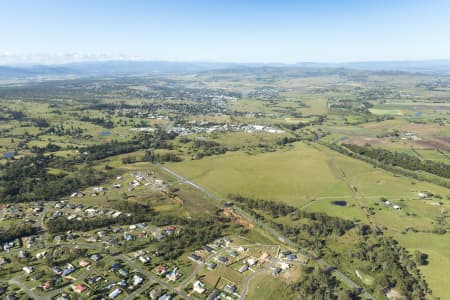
(28, 270)
(199, 287)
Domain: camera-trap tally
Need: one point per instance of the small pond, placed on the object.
(105, 133)
(340, 203)
(9, 155)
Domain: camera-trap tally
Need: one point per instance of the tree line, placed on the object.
(389, 167)
(389, 263)
(318, 225)
(194, 235)
(16, 232)
(106, 123)
(402, 160)
(27, 179)
(320, 284)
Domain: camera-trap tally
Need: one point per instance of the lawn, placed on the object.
(265, 286)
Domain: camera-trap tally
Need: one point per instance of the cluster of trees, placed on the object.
(40, 122)
(101, 151)
(377, 93)
(161, 157)
(318, 225)
(207, 148)
(274, 208)
(106, 123)
(320, 284)
(287, 140)
(129, 160)
(319, 121)
(350, 104)
(10, 114)
(50, 147)
(391, 168)
(60, 130)
(61, 224)
(392, 266)
(195, 234)
(27, 179)
(402, 160)
(12, 233)
(134, 208)
(157, 140)
(421, 258)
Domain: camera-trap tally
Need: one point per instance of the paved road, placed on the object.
(199, 267)
(250, 277)
(270, 230)
(140, 290)
(149, 275)
(28, 291)
(16, 280)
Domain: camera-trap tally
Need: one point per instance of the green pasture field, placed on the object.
(431, 154)
(305, 175)
(278, 175)
(298, 175)
(312, 177)
(386, 111)
(404, 108)
(436, 246)
(315, 106)
(249, 105)
(239, 139)
(266, 286)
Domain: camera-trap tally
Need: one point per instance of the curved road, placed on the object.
(350, 283)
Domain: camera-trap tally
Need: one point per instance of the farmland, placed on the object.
(302, 177)
(248, 183)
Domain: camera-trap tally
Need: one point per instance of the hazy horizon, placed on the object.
(49, 32)
(55, 60)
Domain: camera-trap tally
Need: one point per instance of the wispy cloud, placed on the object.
(8, 58)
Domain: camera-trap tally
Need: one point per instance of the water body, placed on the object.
(9, 155)
(340, 203)
(105, 133)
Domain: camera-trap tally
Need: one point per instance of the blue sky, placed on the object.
(241, 31)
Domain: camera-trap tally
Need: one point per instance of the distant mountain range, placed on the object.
(414, 66)
(130, 68)
(106, 68)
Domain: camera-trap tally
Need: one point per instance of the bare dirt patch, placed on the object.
(422, 129)
(376, 142)
(433, 143)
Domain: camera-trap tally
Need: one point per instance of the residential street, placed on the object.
(270, 230)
